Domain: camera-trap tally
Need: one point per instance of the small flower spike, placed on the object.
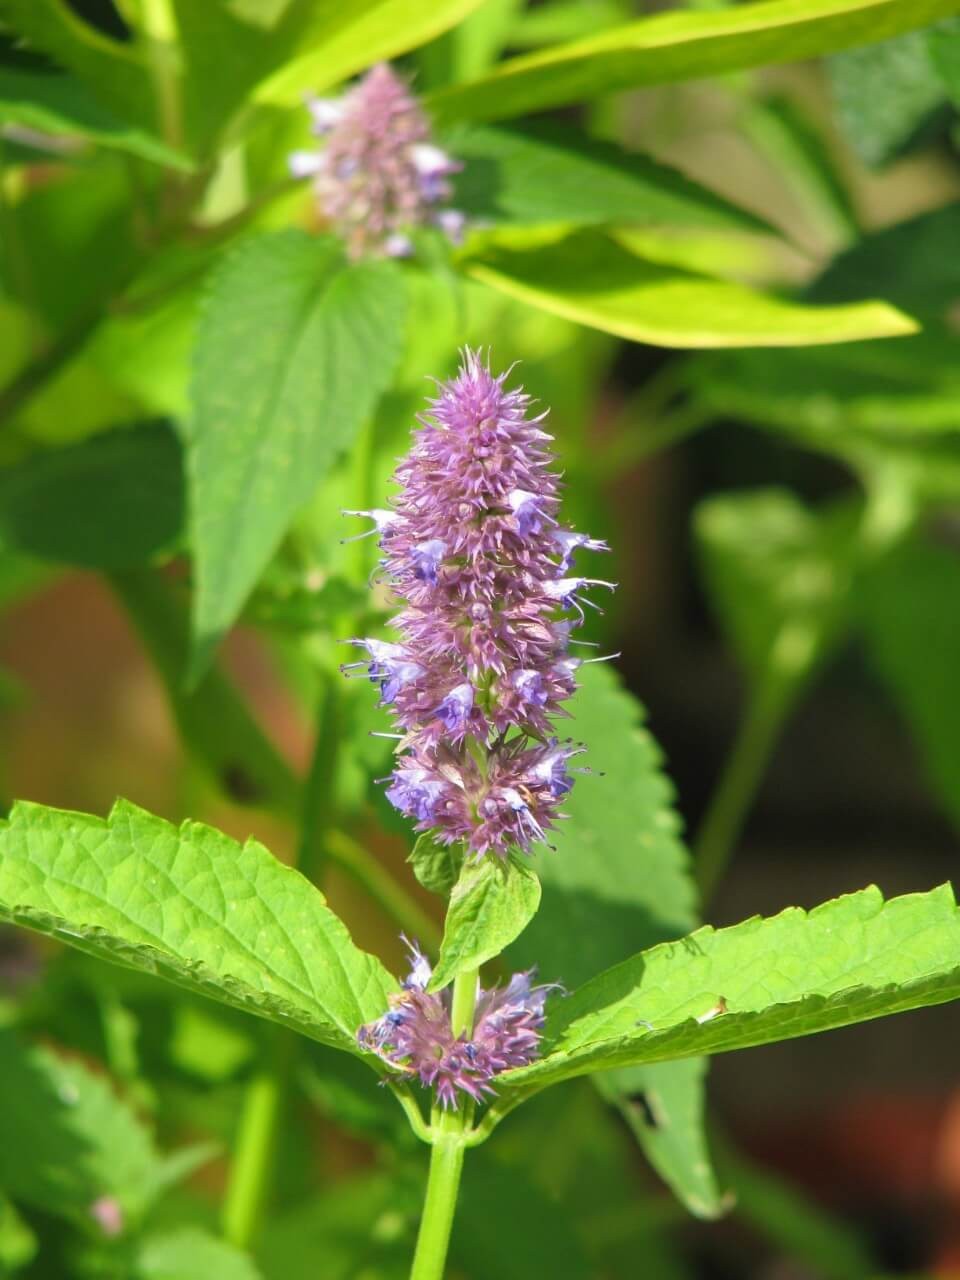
(473, 549)
(379, 175)
(415, 1035)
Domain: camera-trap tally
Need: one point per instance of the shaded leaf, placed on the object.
(663, 1103)
(683, 45)
(848, 960)
(779, 575)
(57, 105)
(547, 172)
(490, 905)
(435, 865)
(193, 906)
(595, 281)
(67, 1141)
(910, 606)
(293, 350)
(619, 877)
(883, 93)
(110, 502)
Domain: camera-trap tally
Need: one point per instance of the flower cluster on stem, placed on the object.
(473, 548)
(380, 174)
(416, 1033)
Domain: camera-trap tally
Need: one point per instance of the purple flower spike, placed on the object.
(415, 1034)
(470, 547)
(380, 175)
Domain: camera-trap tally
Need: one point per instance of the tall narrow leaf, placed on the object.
(294, 348)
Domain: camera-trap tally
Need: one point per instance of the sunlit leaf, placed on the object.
(849, 960)
(598, 282)
(191, 905)
(682, 45)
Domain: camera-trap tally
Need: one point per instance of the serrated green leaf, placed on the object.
(848, 960)
(293, 350)
(59, 106)
(598, 282)
(684, 45)
(67, 1140)
(188, 903)
(546, 172)
(619, 877)
(779, 576)
(191, 1254)
(910, 607)
(663, 1103)
(341, 40)
(110, 502)
(490, 905)
(435, 865)
(883, 93)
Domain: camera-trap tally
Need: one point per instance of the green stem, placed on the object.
(450, 1131)
(731, 799)
(350, 856)
(254, 1153)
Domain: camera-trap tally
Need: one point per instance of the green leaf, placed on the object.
(115, 72)
(110, 502)
(910, 607)
(944, 42)
(779, 576)
(58, 105)
(848, 960)
(343, 39)
(490, 905)
(663, 1103)
(67, 1140)
(684, 45)
(213, 719)
(596, 281)
(883, 93)
(191, 1254)
(188, 903)
(546, 172)
(18, 1244)
(435, 865)
(293, 350)
(619, 878)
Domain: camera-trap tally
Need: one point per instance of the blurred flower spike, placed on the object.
(379, 175)
(415, 1035)
(473, 549)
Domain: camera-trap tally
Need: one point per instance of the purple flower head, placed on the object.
(379, 174)
(471, 552)
(415, 1034)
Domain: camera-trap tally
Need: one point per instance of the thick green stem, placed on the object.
(723, 821)
(450, 1130)
(254, 1152)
